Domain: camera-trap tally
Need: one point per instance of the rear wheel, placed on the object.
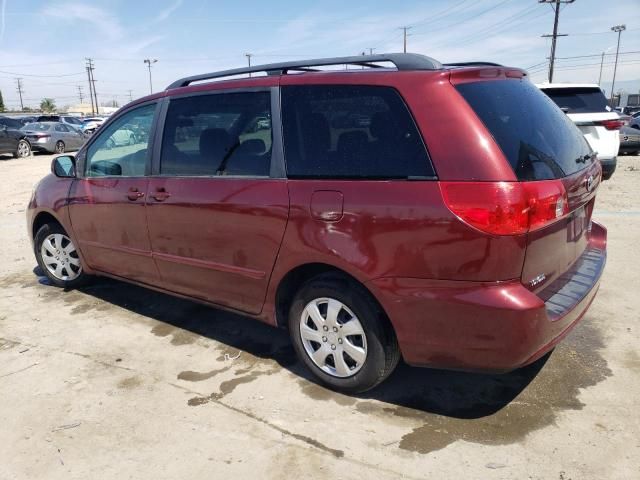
(60, 147)
(340, 333)
(58, 257)
(23, 150)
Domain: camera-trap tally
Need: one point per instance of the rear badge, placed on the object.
(537, 281)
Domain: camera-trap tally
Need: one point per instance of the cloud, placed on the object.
(164, 14)
(105, 22)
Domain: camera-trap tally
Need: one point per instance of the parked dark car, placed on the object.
(13, 141)
(629, 141)
(370, 240)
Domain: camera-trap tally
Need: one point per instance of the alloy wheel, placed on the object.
(23, 149)
(333, 337)
(60, 257)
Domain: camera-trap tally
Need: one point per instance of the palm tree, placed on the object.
(47, 105)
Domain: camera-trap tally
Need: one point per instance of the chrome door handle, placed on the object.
(134, 194)
(161, 195)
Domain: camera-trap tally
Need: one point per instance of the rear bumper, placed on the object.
(497, 326)
(608, 167)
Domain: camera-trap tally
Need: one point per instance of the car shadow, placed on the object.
(450, 393)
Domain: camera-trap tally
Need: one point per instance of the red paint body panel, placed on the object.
(217, 238)
(488, 326)
(111, 229)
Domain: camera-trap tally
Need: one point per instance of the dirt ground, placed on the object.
(115, 381)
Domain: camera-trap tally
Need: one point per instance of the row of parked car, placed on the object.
(45, 133)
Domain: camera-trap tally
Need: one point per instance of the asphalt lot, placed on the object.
(115, 381)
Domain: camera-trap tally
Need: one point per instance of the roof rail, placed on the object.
(472, 64)
(402, 61)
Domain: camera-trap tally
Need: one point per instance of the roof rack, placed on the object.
(472, 64)
(402, 61)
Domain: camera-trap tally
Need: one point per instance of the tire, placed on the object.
(327, 338)
(52, 243)
(23, 149)
(60, 147)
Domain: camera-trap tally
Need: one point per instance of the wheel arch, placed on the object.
(41, 219)
(293, 280)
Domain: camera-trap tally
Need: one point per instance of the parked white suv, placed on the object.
(587, 107)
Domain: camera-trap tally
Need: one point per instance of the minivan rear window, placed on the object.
(537, 138)
(578, 99)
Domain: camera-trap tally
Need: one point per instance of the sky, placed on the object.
(45, 42)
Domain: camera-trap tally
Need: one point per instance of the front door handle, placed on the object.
(161, 195)
(134, 194)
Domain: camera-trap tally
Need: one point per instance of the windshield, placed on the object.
(37, 127)
(578, 99)
(539, 141)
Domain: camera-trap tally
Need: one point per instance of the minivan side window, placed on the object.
(351, 131)
(218, 134)
(121, 148)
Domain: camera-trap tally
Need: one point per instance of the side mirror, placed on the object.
(64, 166)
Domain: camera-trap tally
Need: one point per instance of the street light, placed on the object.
(148, 61)
(619, 29)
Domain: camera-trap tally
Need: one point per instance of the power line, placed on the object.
(632, 52)
(554, 36)
(41, 76)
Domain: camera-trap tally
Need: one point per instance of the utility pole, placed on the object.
(130, 95)
(555, 33)
(371, 49)
(92, 84)
(93, 110)
(149, 61)
(19, 89)
(601, 63)
(249, 55)
(404, 29)
(619, 29)
(79, 87)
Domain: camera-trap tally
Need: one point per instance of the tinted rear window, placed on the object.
(351, 131)
(537, 138)
(578, 100)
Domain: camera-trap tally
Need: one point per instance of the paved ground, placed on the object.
(118, 382)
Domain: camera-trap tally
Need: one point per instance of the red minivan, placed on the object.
(403, 208)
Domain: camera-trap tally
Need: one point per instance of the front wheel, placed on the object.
(341, 334)
(23, 149)
(58, 257)
(60, 147)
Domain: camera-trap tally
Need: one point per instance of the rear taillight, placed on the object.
(506, 208)
(612, 124)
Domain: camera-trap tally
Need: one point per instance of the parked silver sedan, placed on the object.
(53, 137)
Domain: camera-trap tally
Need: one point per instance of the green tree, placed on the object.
(47, 105)
(1, 102)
